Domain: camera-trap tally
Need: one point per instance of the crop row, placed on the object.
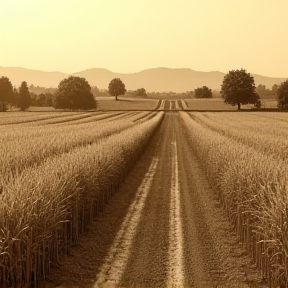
(16, 155)
(45, 208)
(268, 123)
(21, 147)
(253, 189)
(268, 137)
(31, 120)
(17, 118)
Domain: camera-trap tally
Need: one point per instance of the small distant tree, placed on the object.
(33, 97)
(6, 93)
(74, 93)
(238, 88)
(48, 99)
(257, 103)
(15, 96)
(189, 94)
(24, 99)
(141, 92)
(198, 92)
(40, 100)
(95, 91)
(282, 95)
(261, 90)
(203, 92)
(116, 88)
(274, 89)
(206, 92)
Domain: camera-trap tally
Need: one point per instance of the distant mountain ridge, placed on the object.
(156, 79)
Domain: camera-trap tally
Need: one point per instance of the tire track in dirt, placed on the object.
(176, 271)
(149, 258)
(116, 260)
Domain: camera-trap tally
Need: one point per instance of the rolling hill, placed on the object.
(155, 79)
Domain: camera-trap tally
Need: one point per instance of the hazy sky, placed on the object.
(132, 35)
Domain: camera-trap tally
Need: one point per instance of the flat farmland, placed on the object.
(143, 199)
(212, 104)
(126, 103)
(218, 104)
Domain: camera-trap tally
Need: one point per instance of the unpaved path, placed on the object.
(163, 228)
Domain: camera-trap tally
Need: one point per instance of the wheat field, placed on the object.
(57, 171)
(245, 159)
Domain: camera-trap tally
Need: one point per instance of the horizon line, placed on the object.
(128, 73)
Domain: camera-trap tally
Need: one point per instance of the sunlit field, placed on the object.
(126, 103)
(245, 158)
(59, 168)
(52, 166)
(218, 104)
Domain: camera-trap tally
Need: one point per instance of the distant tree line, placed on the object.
(42, 99)
(41, 90)
(267, 93)
(73, 93)
(171, 94)
(12, 96)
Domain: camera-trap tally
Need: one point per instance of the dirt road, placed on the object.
(163, 228)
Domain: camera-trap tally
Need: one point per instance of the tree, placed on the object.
(24, 99)
(141, 92)
(206, 92)
(198, 92)
(238, 87)
(48, 99)
(33, 97)
(261, 89)
(6, 93)
(40, 100)
(282, 95)
(257, 103)
(274, 89)
(203, 92)
(74, 93)
(15, 96)
(116, 88)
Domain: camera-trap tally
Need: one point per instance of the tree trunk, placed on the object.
(116, 97)
(239, 106)
(2, 107)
